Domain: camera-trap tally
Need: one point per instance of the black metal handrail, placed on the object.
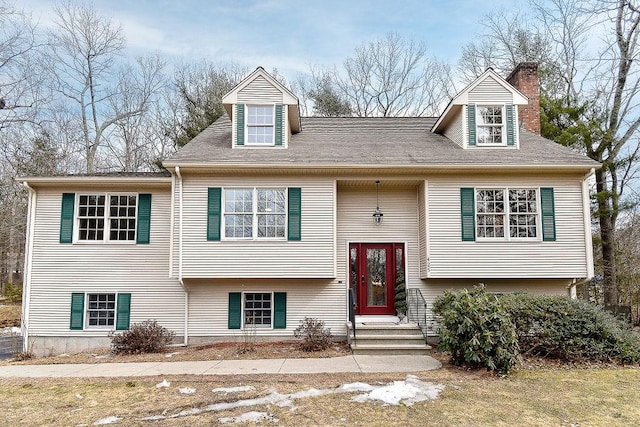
(417, 309)
(352, 311)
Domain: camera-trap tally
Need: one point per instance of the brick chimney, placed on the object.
(525, 78)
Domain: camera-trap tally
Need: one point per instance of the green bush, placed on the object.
(13, 293)
(313, 335)
(400, 302)
(572, 330)
(477, 330)
(144, 337)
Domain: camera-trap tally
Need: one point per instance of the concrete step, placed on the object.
(387, 339)
(390, 340)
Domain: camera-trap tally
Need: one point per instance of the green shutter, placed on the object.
(467, 213)
(280, 310)
(240, 124)
(295, 214)
(214, 204)
(511, 135)
(123, 314)
(66, 218)
(77, 311)
(278, 124)
(548, 214)
(471, 123)
(144, 218)
(235, 310)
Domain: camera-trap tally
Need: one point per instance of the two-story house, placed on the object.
(266, 218)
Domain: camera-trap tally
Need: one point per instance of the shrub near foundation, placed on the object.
(144, 337)
(313, 335)
(477, 330)
(571, 330)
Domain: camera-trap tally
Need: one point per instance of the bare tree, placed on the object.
(390, 77)
(139, 87)
(21, 88)
(85, 54)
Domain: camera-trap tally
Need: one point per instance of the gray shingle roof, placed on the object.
(370, 141)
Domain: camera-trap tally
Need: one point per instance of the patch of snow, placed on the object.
(408, 392)
(13, 330)
(355, 387)
(187, 390)
(233, 389)
(252, 416)
(101, 356)
(108, 420)
(79, 396)
(164, 383)
(169, 355)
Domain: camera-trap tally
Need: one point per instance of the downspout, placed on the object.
(180, 278)
(28, 260)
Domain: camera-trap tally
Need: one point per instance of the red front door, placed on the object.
(374, 268)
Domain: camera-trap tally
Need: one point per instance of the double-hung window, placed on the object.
(107, 217)
(255, 213)
(490, 124)
(260, 124)
(106, 310)
(258, 309)
(507, 213)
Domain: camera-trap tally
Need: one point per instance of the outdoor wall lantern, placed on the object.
(377, 214)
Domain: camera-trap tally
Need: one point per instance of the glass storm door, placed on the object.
(373, 276)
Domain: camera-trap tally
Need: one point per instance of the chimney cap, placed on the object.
(528, 65)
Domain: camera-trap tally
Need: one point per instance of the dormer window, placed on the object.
(489, 125)
(260, 124)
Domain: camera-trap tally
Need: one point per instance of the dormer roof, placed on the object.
(241, 94)
(464, 98)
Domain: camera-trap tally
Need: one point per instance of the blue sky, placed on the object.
(284, 34)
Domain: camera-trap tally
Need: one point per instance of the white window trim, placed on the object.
(254, 213)
(247, 126)
(107, 223)
(507, 235)
(503, 126)
(243, 318)
(86, 325)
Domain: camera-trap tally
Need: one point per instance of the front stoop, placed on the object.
(387, 339)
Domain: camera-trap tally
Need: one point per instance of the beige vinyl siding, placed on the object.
(490, 91)
(422, 228)
(455, 131)
(451, 257)
(321, 299)
(60, 269)
(260, 91)
(400, 225)
(312, 257)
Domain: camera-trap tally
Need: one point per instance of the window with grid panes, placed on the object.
(497, 209)
(255, 213)
(101, 310)
(109, 217)
(260, 124)
(489, 124)
(257, 309)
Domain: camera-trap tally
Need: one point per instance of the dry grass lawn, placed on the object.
(10, 314)
(543, 397)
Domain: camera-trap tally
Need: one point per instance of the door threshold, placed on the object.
(377, 319)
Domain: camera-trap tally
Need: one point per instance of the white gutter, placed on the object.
(180, 278)
(28, 266)
(586, 209)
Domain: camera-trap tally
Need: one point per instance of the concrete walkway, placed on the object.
(354, 363)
